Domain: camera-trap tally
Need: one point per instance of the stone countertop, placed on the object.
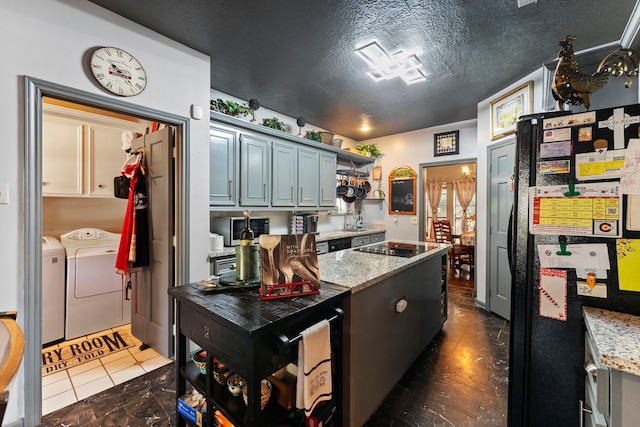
(616, 337)
(323, 236)
(357, 270)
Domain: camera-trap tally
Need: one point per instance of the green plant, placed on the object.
(230, 108)
(314, 136)
(274, 123)
(369, 148)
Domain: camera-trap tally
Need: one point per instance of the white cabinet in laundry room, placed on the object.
(81, 152)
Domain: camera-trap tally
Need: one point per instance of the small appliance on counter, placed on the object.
(305, 223)
(230, 227)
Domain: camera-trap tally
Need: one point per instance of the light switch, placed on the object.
(4, 193)
(196, 112)
(414, 220)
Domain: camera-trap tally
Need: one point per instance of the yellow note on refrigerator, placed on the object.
(628, 254)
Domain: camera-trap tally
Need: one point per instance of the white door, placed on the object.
(501, 199)
(151, 308)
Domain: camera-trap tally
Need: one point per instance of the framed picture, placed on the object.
(446, 143)
(376, 173)
(506, 110)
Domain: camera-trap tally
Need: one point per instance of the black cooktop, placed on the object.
(405, 250)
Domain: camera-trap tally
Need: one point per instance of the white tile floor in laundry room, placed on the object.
(74, 370)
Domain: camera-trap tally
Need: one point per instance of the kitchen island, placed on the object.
(395, 307)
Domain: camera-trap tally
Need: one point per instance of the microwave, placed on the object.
(230, 227)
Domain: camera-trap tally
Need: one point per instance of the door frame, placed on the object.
(422, 202)
(34, 90)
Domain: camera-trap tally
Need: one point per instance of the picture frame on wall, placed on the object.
(506, 110)
(446, 143)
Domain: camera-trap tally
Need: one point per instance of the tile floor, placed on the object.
(460, 380)
(67, 386)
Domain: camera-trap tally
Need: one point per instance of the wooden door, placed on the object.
(151, 308)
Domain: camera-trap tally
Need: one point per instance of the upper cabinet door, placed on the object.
(284, 169)
(223, 170)
(254, 170)
(105, 162)
(308, 177)
(62, 142)
(328, 164)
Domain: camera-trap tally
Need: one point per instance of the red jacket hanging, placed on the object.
(131, 169)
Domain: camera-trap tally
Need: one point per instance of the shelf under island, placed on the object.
(396, 306)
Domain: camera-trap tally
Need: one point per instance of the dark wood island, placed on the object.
(254, 338)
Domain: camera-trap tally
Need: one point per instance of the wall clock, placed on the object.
(118, 71)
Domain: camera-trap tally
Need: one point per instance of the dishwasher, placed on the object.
(339, 244)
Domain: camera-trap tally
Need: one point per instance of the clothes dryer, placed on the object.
(95, 298)
(52, 290)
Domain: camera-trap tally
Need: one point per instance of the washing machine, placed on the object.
(95, 298)
(53, 260)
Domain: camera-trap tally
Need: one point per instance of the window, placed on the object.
(471, 215)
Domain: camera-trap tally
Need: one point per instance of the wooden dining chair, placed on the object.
(11, 349)
(459, 254)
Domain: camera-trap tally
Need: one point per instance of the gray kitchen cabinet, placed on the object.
(223, 157)
(610, 394)
(255, 181)
(377, 238)
(308, 174)
(255, 166)
(387, 326)
(360, 240)
(328, 165)
(285, 172)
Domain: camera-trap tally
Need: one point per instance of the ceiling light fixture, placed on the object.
(384, 66)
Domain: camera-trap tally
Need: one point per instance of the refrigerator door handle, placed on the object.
(510, 241)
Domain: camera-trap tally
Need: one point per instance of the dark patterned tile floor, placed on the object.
(459, 380)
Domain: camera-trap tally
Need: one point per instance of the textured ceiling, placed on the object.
(297, 56)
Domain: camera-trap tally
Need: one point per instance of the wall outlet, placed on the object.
(599, 291)
(414, 220)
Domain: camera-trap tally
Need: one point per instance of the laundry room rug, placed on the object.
(72, 353)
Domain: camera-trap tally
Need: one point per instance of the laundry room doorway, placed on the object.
(91, 209)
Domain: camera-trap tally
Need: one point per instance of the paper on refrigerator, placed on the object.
(589, 255)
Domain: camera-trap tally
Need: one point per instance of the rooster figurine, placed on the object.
(570, 86)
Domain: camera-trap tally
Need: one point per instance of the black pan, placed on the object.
(342, 187)
(348, 199)
(366, 186)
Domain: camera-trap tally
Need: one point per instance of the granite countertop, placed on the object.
(320, 237)
(358, 270)
(324, 236)
(616, 337)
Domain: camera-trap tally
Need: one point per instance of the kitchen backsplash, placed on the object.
(279, 222)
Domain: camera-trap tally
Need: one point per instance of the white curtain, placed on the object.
(434, 193)
(465, 191)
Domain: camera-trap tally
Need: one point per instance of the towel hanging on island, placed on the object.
(314, 367)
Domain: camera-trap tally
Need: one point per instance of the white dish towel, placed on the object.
(314, 367)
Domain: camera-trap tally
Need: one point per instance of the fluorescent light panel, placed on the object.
(384, 66)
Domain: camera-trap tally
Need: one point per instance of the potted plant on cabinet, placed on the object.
(274, 123)
(369, 150)
(230, 108)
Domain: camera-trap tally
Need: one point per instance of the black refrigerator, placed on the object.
(562, 154)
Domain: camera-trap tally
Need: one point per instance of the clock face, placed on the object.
(118, 71)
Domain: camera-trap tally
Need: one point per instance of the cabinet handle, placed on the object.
(230, 190)
(45, 183)
(583, 410)
(264, 191)
(101, 186)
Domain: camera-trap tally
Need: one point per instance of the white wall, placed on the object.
(412, 149)
(48, 40)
